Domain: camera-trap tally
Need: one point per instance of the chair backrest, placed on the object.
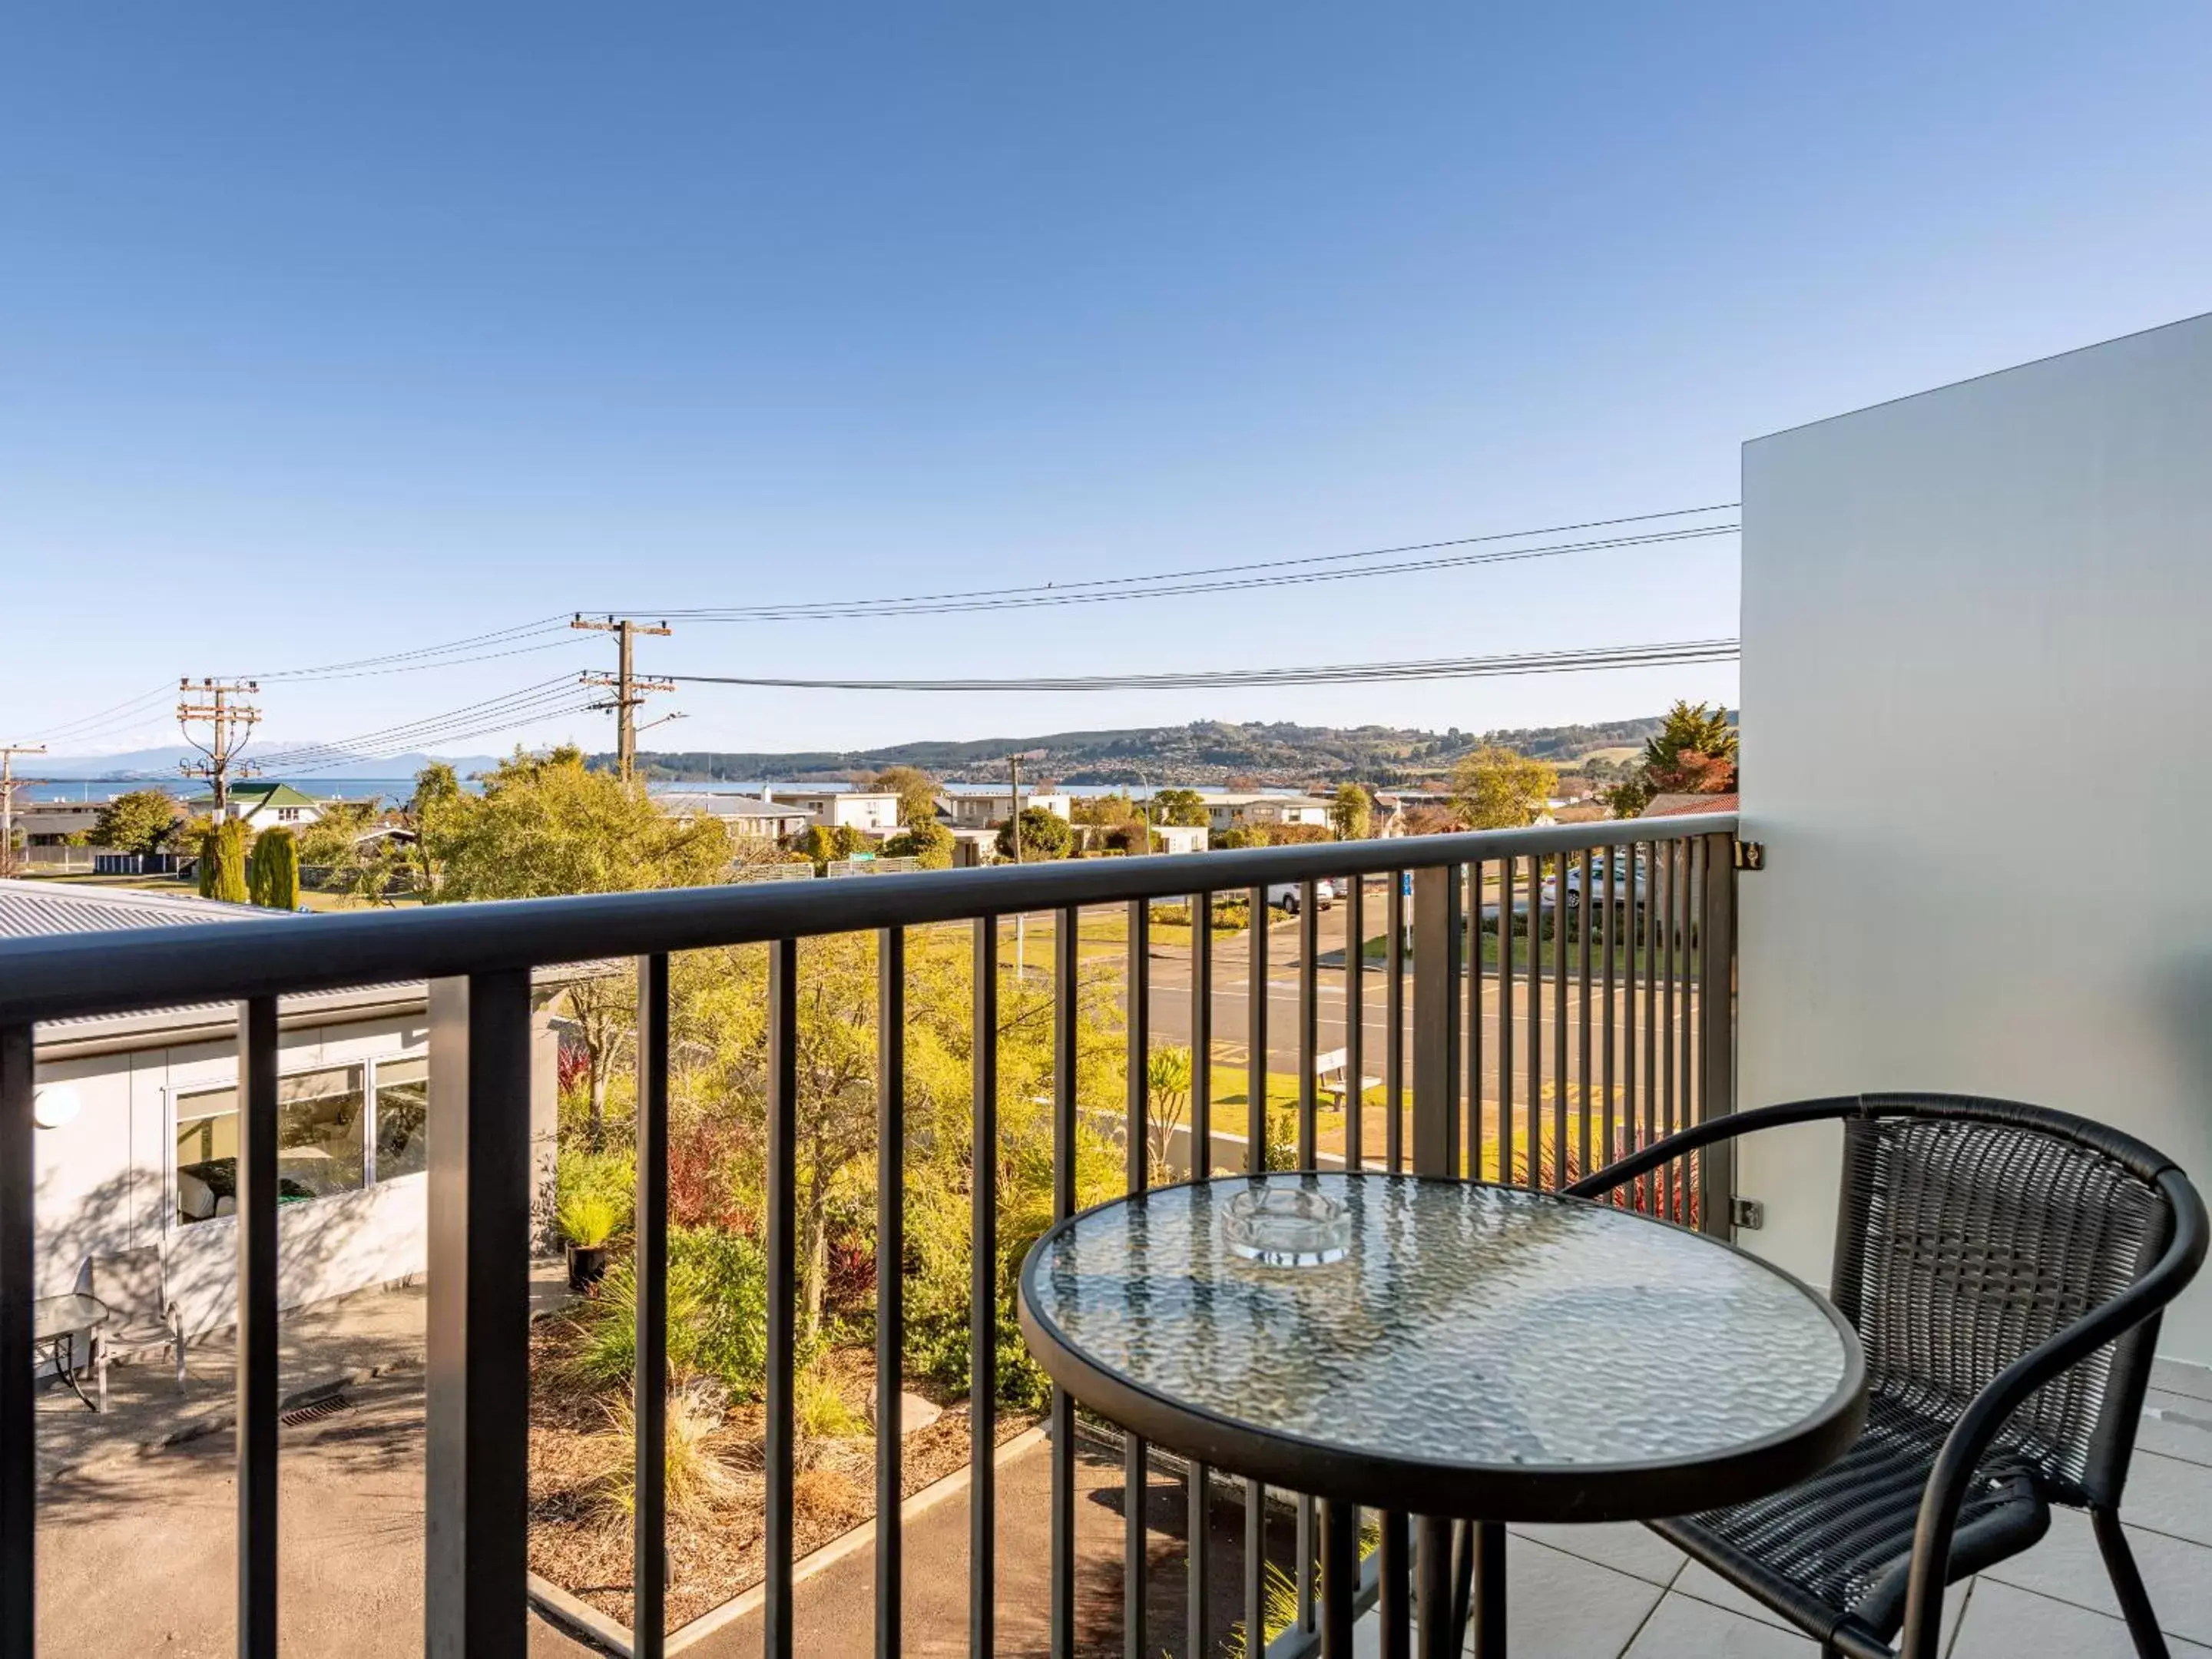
(130, 1282)
(1971, 1231)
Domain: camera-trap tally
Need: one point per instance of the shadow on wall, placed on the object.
(326, 1246)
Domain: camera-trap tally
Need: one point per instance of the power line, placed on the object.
(1434, 668)
(543, 625)
(1093, 590)
(1084, 593)
(559, 688)
(127, 713)
(230, 727)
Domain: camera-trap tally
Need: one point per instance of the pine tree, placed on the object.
(273, 872)
(224, 866)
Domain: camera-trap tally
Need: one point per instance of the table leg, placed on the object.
(71, 1372)
(1488, 1589)
(1395, 1582)
(1339, 1578)
(1433, 1557)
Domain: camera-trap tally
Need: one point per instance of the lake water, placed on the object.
(394, 792)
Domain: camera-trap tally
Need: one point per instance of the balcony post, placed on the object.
(18, 1421)
(1435, 1021)
(1716, 1029)
(476, 1467)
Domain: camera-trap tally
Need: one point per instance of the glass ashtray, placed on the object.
(1287, 1227)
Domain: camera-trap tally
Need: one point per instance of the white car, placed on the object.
(1284, 895)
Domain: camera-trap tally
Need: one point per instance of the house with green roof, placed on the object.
(262, 805)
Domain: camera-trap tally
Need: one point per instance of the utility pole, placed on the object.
(229, 724)
(8, 753)
(628, 691)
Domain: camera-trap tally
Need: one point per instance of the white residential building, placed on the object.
(979, 808)
(866, 811)
(741, 815)
(1227, 811)
(136, 1115)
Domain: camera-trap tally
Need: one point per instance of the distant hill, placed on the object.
(1203, 752)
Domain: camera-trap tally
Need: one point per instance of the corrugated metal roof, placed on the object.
(38, 910)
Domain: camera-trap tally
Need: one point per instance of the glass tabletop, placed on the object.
(1513, 1339)
(58, 1315)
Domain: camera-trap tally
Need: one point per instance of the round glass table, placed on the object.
(1446, 1349)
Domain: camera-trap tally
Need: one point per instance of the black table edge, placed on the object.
(1490, 1491)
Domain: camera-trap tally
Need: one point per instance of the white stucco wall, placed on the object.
(1976, 669)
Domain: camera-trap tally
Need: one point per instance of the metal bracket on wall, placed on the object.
(1751, 856)
(1747, 1214)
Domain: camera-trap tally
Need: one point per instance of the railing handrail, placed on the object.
(75, 975)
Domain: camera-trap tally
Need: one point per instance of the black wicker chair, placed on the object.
(2004, 1266)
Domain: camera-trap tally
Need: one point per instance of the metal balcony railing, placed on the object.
(1551, 998)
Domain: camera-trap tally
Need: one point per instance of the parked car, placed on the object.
(1284, 895)
(1628, 885)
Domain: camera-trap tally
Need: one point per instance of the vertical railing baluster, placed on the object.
(1716, 1029)
(891, 1287)
(1309, 1157)
(1067, 927)
(476, 1346)
(1611, 941)
(1687, 1047)
(1198, 1626)
(1432, 1572)
(1667, 1175)
(1584, 904)
(1255, 1163)
(1477, 1135)
(1536, 1022)
(18, 1482)
(1355, 1022)
(1561, 1008)
(257, 1387)
(1255, 1034)
(983, 1302)
(649, 1377)
(779, 1622)
(1199, 1165)
(1653, 893)
(1507, 867)
(1135, 1478)
(1309, 1026)
(1394, 1017)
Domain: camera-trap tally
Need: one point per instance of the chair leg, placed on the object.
(2128, 1584)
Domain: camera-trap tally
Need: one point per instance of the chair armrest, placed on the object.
(1990, 1409)
(1707, 1133)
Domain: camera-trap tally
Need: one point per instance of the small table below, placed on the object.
(56, 1322)
(1481, 1353)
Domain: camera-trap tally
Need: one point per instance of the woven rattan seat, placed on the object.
(2004, 1266)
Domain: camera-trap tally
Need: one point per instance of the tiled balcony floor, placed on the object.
(1624, 1593)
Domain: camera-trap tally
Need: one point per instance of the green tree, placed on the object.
(1186, 807)
(916, 789)
(1692, 753)
(137, 821)
(1495, 787)
(1350, 813)
(929, 841)
(329, 842)
(1045, 835)
(273, 872)
(222, 863)
(545, 824)
(1245, 834)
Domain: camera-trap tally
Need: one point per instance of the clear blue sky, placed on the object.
(332, 330)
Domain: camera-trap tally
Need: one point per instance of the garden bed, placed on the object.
(581, 1536)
